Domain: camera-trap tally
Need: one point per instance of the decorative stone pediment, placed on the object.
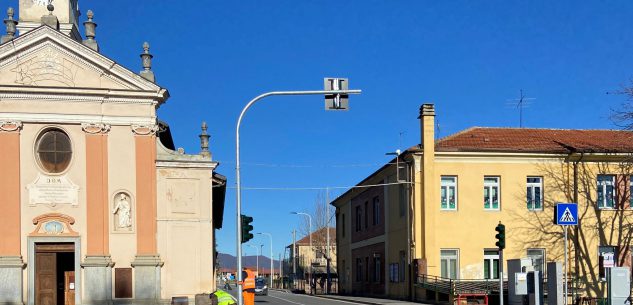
(45, 57)
(53, 224)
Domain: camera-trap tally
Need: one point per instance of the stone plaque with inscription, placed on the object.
(53, 190)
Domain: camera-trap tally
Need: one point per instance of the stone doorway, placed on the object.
(55, 274)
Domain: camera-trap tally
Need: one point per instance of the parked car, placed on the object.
(260, 286)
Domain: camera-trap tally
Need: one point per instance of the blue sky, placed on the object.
(468, 57)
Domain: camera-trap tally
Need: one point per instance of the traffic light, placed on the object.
(501, 236)
(247, 228)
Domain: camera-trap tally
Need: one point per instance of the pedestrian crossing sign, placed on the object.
(566, 214)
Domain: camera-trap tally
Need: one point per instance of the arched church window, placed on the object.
(54, 151)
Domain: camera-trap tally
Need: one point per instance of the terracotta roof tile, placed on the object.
(485, 139)
(315, 235)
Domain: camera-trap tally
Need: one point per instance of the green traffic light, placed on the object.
(246, 228)
(500, 236)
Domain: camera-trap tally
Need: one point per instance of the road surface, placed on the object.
(284, 298)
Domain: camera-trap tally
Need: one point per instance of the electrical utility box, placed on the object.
(520, 265)
(619, 285)
(520, 283)
(554, 283)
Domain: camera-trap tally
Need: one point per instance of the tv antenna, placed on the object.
(520, 103)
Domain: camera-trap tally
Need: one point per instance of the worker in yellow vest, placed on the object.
(222, 297)
(248, 286)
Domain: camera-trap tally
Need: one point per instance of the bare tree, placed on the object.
(320, 222)
(597, 226)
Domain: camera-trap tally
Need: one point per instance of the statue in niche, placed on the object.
(123, 211)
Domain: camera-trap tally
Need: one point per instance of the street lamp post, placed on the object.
(311, 250)
(261, 248)
(258, 251)
(271, 256)
(336, 93)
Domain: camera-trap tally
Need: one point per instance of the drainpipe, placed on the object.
(409, 228)
(577, 228)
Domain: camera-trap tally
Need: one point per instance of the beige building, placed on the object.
(98, 205)
(433, 219)
(313, 259)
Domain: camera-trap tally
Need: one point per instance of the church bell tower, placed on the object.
(34, 13)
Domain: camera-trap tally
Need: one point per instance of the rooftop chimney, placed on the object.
(427, 127)
(90, 27)
(10, 23)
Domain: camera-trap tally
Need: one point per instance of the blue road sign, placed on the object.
(566, 214)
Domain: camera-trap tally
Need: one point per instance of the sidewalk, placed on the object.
(369, 301)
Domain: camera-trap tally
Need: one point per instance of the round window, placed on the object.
(54, 151)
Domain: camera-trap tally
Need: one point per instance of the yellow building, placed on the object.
(436, 215)
(98, 206)
(313, 260)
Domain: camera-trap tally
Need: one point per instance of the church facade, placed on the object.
(98, 206)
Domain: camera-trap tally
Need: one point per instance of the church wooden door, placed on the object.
(46, 279)
(69, 288)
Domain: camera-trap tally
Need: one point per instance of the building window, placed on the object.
(491, 193)
(534, 193)
(343, 224)
(403, 265)
(491, 264)
(54, 151)
(402, 200)
(376, 211)
(367, 273)
(358, 218)
(449, 263)
(342, 274)
(606, 191)
(377, 268)
(448, 191)
(366, 214)
(359, 270)
(538, 259)
(393, 272)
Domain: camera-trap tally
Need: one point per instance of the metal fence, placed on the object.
(460, 286)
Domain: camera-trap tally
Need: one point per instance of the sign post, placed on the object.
(565, 215)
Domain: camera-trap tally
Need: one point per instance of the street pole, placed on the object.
(565, 274)
(238, 180)
(311, 250)
(257, 259)
(271, 256)
(294, 253)
(327, 249)
(500, 276)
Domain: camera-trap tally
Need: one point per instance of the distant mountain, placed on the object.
(230, 261)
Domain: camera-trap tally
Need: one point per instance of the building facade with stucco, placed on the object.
(98, 206)
(427, 218)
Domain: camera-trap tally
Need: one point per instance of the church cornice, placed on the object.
(76, 95)
(55, 118)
